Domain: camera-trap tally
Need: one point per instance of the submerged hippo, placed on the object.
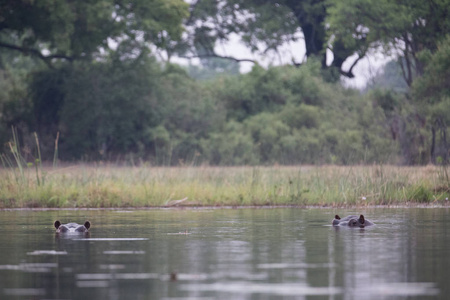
(337, 220)
(72, 227)
(352, 221)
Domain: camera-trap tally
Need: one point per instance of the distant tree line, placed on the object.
(95, 80)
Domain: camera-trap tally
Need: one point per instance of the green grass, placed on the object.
(112, 186)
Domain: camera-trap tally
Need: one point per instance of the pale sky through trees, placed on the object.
(364, 70)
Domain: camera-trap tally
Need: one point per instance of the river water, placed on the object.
(279, 253)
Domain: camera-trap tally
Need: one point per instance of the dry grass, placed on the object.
(110, 186)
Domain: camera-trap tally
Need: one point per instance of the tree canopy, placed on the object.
(265, 25)
(348, 29)
(404, 27)
(68, 30)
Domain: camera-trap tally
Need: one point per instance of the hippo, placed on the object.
(72, 227)
(337, 220)
(352, 221)
(360, 222)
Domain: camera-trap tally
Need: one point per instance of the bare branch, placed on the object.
(349, 73)
(35, 52)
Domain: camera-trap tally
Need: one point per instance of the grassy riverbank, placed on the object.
(108, 186)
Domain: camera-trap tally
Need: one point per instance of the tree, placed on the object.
(100, 109)
(90, 47)
(432, 94)
(265, 25)
(412, 30)
(69, 30)
(404, 27)
(346, 28)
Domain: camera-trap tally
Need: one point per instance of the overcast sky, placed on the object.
(364, 70)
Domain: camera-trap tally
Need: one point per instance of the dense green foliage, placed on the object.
(138, 109)
(432, 95)
(84, 76)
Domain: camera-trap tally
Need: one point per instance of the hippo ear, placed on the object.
(87, 224)
(57, 224)
(361, 219)
(337, 217)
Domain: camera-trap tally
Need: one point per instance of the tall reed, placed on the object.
(103, 185)
(107, 185)
(18, 164)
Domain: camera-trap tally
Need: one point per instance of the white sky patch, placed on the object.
(365, 69)
(287, 53)
(291, 52)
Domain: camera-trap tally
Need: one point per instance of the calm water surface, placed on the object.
(282, 253)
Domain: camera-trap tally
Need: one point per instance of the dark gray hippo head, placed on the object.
(360, 222)
(338, 220)
(72, 227)
(352, 221)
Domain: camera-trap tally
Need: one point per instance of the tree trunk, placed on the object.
(314, 42)
(311, 17)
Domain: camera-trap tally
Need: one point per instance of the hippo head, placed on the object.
(360, 222)
(71, 227)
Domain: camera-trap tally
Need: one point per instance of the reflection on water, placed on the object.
(113, 239)
(286, 289)
(226, 254)
(124, 252)
(47, 252)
